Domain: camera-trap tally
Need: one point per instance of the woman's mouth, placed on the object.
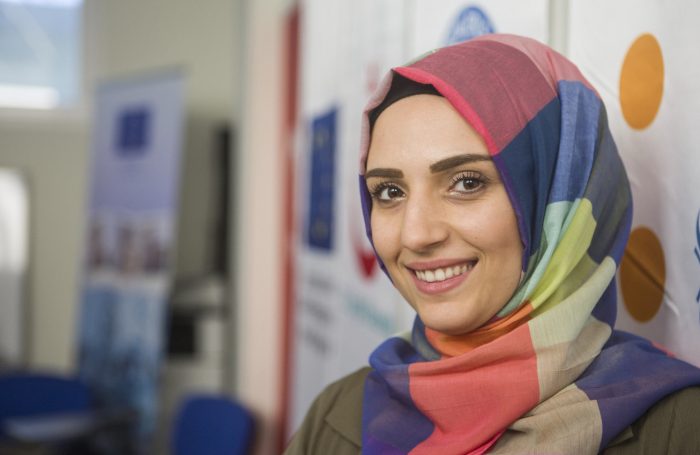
(443, 273)
(441, 279)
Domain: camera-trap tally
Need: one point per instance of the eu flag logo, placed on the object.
(319, 231)
(133, 131)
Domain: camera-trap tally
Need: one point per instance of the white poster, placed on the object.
(642, 57)
(344, 307)
(137, 136)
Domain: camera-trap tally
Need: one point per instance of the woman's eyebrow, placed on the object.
(454, 161)
(384, 172)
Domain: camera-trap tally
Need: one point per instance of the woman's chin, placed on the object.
(448, 325)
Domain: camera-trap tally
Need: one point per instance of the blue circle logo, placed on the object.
(471, 22)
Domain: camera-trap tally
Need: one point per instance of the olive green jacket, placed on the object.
(333, 424)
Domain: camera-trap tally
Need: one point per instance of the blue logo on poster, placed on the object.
(471, 22)
(133, 131)
(319, 230)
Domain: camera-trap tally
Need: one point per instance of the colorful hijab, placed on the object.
(548, 374)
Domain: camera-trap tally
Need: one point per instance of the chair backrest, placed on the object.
(25, 394)
(31, 394)
(212, 425)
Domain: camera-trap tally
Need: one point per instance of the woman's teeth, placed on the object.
(442, 274)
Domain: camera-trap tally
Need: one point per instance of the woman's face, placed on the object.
(442, 222)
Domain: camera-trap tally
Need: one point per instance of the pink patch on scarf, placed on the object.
(471, 398)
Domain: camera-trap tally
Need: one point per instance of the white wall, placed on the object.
(51, 150)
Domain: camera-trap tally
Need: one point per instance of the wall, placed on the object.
(50, 148)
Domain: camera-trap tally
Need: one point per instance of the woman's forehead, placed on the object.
(424, 128)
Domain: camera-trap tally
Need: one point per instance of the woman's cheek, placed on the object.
(382, 235)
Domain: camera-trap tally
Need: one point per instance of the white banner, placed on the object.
(642, 57)
(344, 305)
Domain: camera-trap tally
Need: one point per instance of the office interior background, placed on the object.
(266, 287)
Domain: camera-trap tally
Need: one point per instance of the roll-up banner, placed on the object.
(135, 173)
(642, 57)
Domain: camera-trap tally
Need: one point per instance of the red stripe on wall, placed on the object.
(290, 79)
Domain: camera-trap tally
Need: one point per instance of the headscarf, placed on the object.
(548, 374)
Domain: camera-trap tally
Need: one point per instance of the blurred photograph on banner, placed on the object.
(135, 172)
(643, 60)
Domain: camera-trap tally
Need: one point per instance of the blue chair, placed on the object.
(212, 425)
(25, 396)
(58, 414)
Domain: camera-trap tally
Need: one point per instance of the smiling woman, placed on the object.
(498, 206)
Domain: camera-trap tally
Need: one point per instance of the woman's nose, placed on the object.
(423, 225)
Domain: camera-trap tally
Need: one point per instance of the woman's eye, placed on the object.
(467, 184)
(387, 193)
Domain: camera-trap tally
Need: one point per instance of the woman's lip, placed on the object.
(439, 287)
(438, 264)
